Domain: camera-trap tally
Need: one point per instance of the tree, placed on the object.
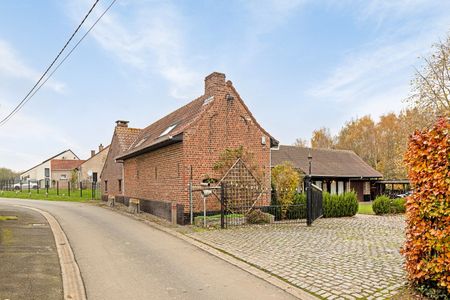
(6, 174)
(299, 142)
(391, 145)
(285, 179)
(360, 136)
(321, 138)
(431, 85)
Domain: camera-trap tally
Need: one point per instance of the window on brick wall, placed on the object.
(106, 185)
(120, 185)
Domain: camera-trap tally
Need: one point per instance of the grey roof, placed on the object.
(325, 162)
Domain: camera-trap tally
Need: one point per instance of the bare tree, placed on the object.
(431, 85)
(300, 143)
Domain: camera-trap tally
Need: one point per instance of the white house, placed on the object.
(42, 172)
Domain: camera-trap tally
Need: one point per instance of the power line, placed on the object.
(38, 84)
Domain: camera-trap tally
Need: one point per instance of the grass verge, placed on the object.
(365, 208)
(53, 195)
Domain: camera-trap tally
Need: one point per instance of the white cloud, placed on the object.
(151, 40)
(12, 67)
(374, 79)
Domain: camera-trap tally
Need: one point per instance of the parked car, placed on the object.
(24, 184)
(409, 193)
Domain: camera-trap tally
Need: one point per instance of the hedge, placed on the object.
(427, 246)
(343, 205)
(384, 205)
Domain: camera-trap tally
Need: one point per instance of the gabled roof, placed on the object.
(126, 136)
(104, 148)
(157, 132)
(65, 164)
(169, 129)
(325, 162)
(50, 159)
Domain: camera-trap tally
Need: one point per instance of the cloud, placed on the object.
(149, 39)
(374, 78)
(12, 67)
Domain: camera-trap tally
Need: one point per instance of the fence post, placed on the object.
(81, 189)
(57, 188)
(29, 187)
(68, 188)
(222, 206)
(191, 209)
(308, 201)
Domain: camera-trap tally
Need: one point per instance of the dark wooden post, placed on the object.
(57, 188)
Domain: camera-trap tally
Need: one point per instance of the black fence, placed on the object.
(63, 188)
(243, 205)
(314, 202)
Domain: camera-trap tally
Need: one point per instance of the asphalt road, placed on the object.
(121, 258)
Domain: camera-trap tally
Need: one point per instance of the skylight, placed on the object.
(208, 100)
(140, 142)
(168, 129)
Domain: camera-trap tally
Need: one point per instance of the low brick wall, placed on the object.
(105, 198)
(162, 209)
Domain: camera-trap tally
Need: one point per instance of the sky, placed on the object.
(299, 65)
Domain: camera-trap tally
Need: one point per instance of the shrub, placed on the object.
(381, 205)
(343, 205)
(427, 245)
(285, 179)
(256, 216)
(297, 210)
(384, 205)
(398, 206)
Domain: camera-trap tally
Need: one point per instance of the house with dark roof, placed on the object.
(183, 146)
(42, 172)
(112, 171)
(335, 171)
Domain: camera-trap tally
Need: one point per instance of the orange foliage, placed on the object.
(427, 246)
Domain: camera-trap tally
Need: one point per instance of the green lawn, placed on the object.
(365, 208)
(52, 195)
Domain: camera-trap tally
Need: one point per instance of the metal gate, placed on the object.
(314, 202)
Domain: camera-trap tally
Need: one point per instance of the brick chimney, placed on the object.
(122, 123)
(100, 148)
(214, 82)
(92, 153)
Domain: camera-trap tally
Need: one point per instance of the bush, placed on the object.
(381, 205)
(343, 205)
(297, 210)
(427, 245)
(384, 205)
(258, 217)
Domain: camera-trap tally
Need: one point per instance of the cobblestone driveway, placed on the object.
(346, 258)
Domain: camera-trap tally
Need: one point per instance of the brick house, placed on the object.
(62, 170)
(89, 171)
(112, 171)
(184, 145)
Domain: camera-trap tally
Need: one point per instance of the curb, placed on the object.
(73, 286)
(274, 280)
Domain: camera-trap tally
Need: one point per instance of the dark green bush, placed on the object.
(258, 217)
(343, 205)
(398, 206)
(297, 210)
(381, 205)
(384, 205)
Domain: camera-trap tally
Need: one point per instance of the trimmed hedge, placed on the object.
(343, 205)
(384, 205)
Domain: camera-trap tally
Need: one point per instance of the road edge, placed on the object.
(223, 255)
(73, 286)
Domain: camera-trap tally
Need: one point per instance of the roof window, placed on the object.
(208, 100)
(168, 129)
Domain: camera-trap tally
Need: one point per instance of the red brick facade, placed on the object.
(223, 121)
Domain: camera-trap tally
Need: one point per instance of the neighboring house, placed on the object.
(42, 172)
(184, 145)
(62, 171)
(335, 171)
(112, 172)
(89, 171)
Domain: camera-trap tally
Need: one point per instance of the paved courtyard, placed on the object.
(345, 258)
